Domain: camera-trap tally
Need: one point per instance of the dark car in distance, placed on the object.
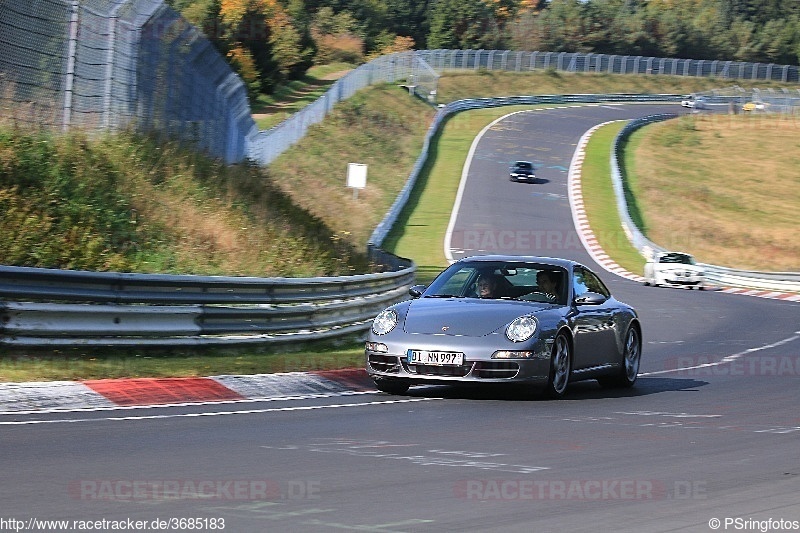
(522, 171)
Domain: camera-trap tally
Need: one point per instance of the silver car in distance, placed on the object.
(537, 322)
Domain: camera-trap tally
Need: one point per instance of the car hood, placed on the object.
(468, 317)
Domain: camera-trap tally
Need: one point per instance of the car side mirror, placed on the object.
(417, 290)
(590, 298)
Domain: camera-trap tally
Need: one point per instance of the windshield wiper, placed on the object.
(443, 296)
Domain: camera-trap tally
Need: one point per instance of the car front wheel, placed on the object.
(560, 368)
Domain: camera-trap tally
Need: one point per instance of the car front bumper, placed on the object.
(475, 368)
(683, 279)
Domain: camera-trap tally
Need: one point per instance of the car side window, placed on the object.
(585, 281)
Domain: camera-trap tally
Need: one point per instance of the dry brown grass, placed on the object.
(723, 187)
(459, 84)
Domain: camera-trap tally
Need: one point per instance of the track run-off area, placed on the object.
(706, 441)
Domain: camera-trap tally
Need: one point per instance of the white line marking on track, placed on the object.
(218, 413)
(729, 358)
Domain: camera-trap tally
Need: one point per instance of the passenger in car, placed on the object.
(548, 284)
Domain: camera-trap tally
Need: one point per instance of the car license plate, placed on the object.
(425, 357)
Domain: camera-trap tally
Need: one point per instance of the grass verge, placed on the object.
(600, 202)
(132, 203)
(79, 365)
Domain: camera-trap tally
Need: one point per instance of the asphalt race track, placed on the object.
(710, 433)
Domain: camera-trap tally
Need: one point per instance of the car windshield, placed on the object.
(533, 282)
(683, 259)
(523, 165)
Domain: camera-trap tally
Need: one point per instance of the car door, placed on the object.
(594, 323)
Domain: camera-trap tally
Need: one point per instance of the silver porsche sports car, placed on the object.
(535, 321)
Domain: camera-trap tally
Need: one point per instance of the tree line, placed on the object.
(269, 42)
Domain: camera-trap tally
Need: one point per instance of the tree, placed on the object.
(336, 37)
(463, 25)
(287, 47)
(408, 18)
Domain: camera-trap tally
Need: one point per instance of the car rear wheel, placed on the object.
(391, 386)
(631, 358)
(560, 368)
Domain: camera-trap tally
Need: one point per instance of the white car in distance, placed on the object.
(695, 103)
(673, 268)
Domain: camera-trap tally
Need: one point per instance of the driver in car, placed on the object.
(487, 286)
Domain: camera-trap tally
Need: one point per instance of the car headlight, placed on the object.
(384, 322)
(521, 329)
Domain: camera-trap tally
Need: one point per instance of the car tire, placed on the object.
(631, 359)
(560, 368)
(391, 386)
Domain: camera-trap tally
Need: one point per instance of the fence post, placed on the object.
(69, 81)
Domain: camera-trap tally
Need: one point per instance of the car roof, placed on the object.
(554, 261)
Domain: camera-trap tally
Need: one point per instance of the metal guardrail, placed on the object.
(57, 308)
(717, 275)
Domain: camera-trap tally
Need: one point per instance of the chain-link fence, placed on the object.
(403, 67)
(115, 64)
(517, 61)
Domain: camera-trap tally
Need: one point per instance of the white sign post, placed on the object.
(356, 177)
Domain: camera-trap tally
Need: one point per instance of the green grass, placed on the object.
(600, 202)
(75, 365)
(138, 204)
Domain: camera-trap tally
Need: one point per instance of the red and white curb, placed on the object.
(56, 396)
(579, 217)
(593, 247)
(772, 295)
